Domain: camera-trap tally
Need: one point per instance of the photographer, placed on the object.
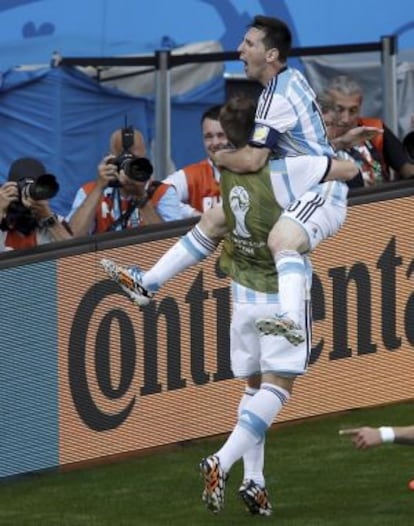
(26, 219)
(124, 194)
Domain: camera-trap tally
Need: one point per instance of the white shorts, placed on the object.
(252, 353)
(320, 217)
(292, 177)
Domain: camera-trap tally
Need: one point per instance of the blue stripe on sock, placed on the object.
(192, 249)
(291, 267)
(252, 423)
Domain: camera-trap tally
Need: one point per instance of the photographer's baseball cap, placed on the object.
(25, 167)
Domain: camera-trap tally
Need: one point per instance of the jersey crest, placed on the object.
(240, 203)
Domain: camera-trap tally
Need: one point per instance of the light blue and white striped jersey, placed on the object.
(242, 294)
(288, 119)
(292, 177)
(289, 122)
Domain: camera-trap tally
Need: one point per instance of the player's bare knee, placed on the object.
(287, 235)
(278, 241)
(254, 381)
(285, 382)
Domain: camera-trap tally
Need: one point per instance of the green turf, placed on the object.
(315, 478)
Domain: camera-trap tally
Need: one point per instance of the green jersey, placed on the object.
(251, 211)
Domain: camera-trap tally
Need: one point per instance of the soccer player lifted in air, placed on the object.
(250, 211)
(289, 130)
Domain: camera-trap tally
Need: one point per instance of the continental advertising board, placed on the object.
(132, 379)
(107, 378)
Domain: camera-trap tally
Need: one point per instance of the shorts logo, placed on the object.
(260, 134)
(240, 203)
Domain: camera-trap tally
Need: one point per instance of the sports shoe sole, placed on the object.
(214, 483)
(138, 295)
(254, 507)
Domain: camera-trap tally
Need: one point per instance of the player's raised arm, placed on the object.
(244, 160)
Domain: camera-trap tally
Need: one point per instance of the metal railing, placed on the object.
(162, 61)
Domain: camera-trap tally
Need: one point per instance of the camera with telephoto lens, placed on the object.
(18, 216)
(135, 168)
(40, 189)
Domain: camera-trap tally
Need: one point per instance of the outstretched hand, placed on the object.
(363, 437)
(358, 135)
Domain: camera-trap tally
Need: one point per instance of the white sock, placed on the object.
(257, 415)
(188, 251)
(291, 270)
(253, 459)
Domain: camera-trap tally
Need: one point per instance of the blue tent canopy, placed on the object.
(64, 118)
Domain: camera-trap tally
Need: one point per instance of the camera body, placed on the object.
(18, 216)
(135, 168)
(32, 182)
(42, 188)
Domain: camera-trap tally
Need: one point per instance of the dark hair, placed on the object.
(277, 34)
(211, 113)
(237, 118)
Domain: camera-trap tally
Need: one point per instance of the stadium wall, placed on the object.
(86, 375)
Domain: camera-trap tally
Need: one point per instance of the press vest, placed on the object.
(104, 216)
(203, 189)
